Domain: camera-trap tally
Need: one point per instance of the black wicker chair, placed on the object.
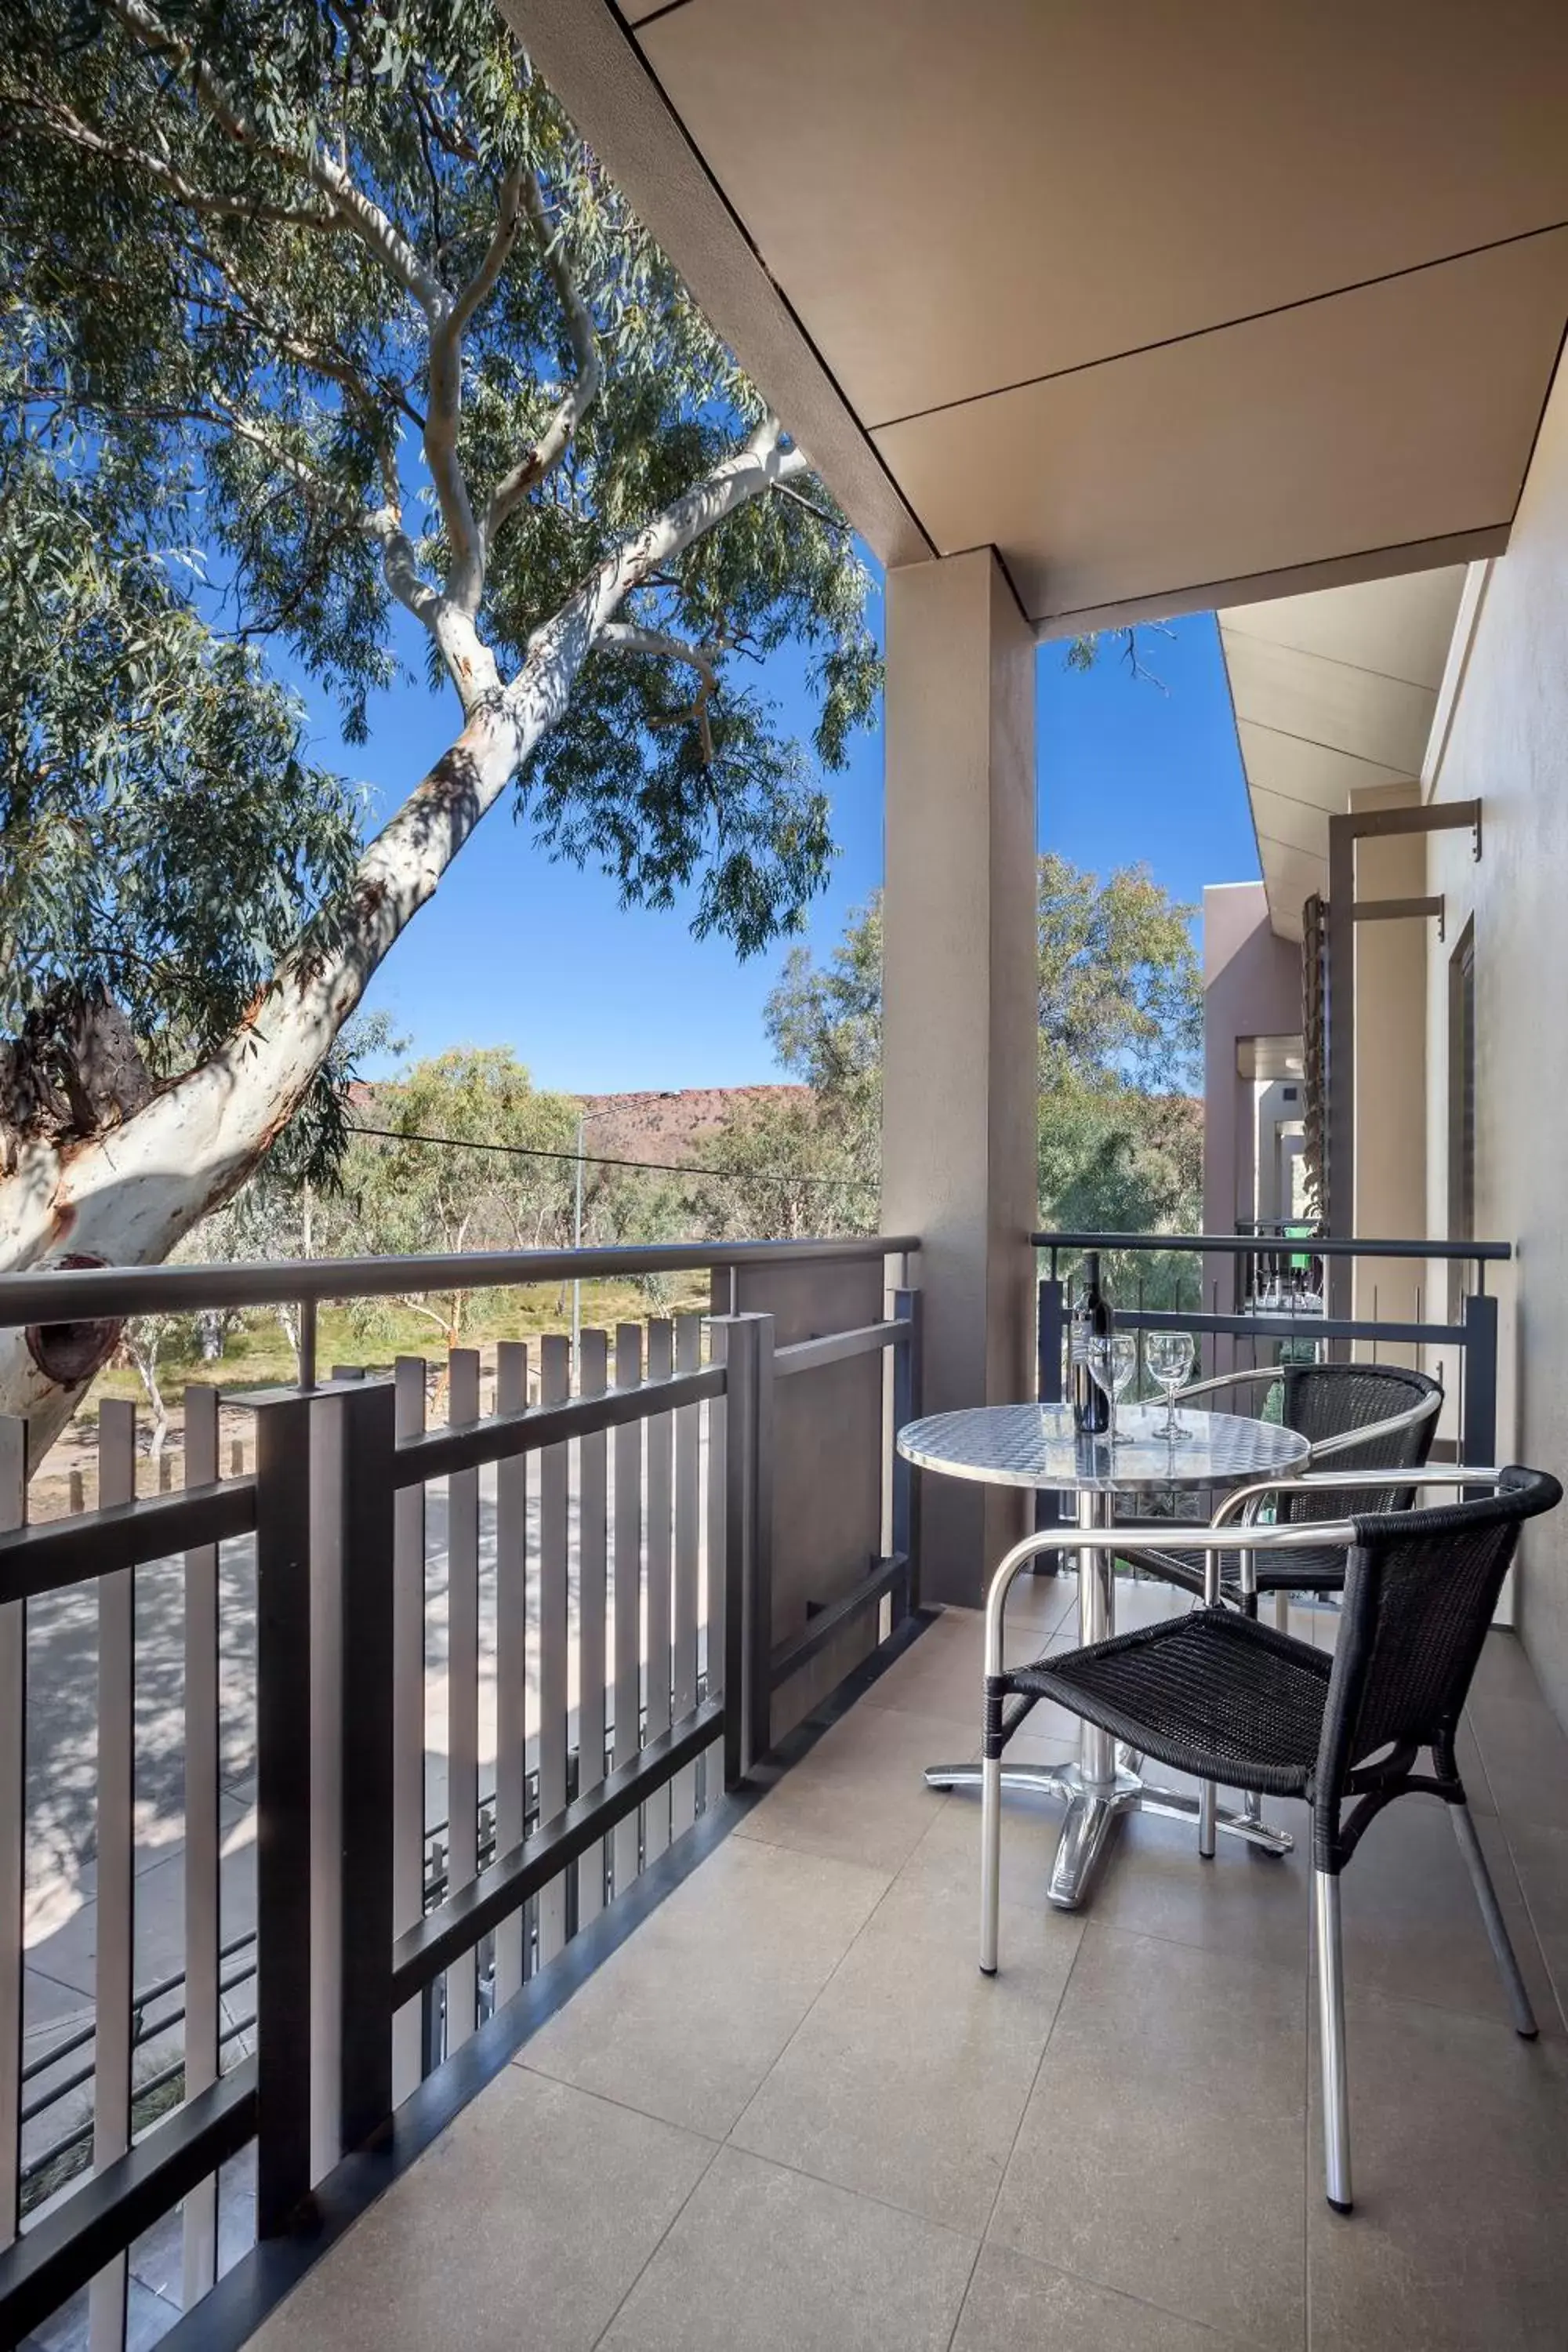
(1216, 1694)
(1356, 1416)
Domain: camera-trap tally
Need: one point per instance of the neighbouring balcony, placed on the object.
(495, 1894)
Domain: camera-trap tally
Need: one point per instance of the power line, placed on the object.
(603, 1158)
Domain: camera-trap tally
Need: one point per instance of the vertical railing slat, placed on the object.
(116, 1856)
(688, 1561)
(511, 1653)
(408, 1716)
(462, 1683)
(628, 1591)
(712, 1628)
(556, 1352)
(660, 1464)
(13, 1832)
(202, 1924)
(593, 1378)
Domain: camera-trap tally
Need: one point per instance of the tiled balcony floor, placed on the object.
(789, 2114)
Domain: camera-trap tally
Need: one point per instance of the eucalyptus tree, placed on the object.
(325, 302)
(1119, 1044)
(498, 1177)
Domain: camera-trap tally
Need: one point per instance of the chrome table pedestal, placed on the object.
(1107, 1781)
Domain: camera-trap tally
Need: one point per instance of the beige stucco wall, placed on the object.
(1252, 988)
(1506, 744)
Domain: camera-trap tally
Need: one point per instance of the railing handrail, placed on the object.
(1465, 1253)
(502, 1436)
(93, 1294)
(1267, 1324)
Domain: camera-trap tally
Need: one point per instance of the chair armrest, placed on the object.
(1423, 1408)
(1244, 1500)
(1226, 1380)
(1152, 1535)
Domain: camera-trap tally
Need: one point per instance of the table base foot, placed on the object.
(1093, 1809)
(1093, 1813)
(1181, 1805)
(1044, 1779)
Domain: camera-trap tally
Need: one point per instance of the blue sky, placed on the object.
(513, 950)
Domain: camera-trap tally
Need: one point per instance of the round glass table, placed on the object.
(1035, 1446)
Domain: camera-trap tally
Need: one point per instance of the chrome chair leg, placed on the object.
(990, 1861)
(1331, 2036)
(1492, 1920)
(1282, 1613)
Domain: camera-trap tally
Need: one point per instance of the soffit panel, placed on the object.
(1379, 418)
(1377, 719)
(1295, 768)
(1294, 825)
(1268, 1058)
(1316, 728)
(956, 200)
(1290, 878)
(1405, 635)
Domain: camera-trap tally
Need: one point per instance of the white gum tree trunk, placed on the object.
(128, 1196)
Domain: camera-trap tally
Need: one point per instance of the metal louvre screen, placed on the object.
(1315, 1142)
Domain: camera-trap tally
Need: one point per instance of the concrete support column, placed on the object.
(959, 996)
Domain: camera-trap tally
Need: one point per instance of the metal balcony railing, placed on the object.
(603, 1660)
(1263, 1327)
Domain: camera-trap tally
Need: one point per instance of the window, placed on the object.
(1462, 1097)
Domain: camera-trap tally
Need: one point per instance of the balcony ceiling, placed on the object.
(1333, 692)
(1173, 305)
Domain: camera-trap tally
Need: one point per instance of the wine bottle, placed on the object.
(1090, 1327)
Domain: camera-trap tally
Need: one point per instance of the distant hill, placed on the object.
(670, 1127)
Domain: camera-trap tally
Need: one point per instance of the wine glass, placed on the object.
(1123, 1365)
(1170, 1361)
(1113, 1361)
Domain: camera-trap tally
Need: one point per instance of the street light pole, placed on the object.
(577, 1244)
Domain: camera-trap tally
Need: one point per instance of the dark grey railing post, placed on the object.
(282, 1810)
(748, 1341)
(1050, 1322)
(907, 1382)
(1478, 1436)
(368, 1463)
(1050, 1329)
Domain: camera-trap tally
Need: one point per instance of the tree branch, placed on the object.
(554, 443)
(70, 128)
(248, 309)
(626, 637)
(399, 569)
(446, 399)
(831, 521)
(300, 470)
(558, 647)
(509, 220)
(352, 208)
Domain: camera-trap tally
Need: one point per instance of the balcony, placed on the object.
(687, 2045)
(786, 2110)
